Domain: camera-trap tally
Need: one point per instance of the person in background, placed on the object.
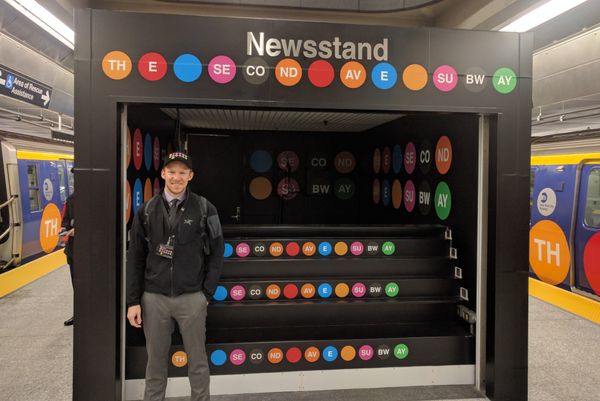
(68, 226)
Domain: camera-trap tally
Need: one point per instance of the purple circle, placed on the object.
(288, 188)
(221, 69)
(242, 250)
(357, 248)
(410, 196)
(445, 78)
(288, 161)
(410, 157)
(237, 357)
(237, 293)
(359, 290)
(366, 352)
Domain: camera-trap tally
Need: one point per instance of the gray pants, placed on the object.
(189, 310)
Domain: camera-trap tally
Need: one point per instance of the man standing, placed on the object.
(173, 265)
(68, 225)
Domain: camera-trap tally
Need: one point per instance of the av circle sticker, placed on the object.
(353, 74)
(443, 200)
(320, 73)
(308, 291)
(591, 262)
(255, 71)
(221, 69)
(152, 66)
(546, 202)
(309, 248)
(549, 254)
(443, 155)
(504, 80)
(48, 189)
(344, 162)
(312, 354)
(288, 161)
(410, 158)
(138, 149)
(187, 68)
(475, 79)
(116, 65)
(397, 159)
(384, 76)
(288, 188)
(261, 161)
(50, 227)
(344, 188)
(409, 196)
(445, 78)
(288, 72)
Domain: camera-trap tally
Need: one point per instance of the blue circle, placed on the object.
(187, 68)
(384, 76)
(261, 161)
(385, 192)
(397, 159)
(325, 248)
(330, 353)
(325, 290)
(228, 250)
(218, 357)
(148, 151)
(220, 293)
(138, 195)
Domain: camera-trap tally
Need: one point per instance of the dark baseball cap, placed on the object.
(178, 157)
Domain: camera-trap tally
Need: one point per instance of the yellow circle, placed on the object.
(348, 353)
(179, 359)
(116, 65)
(260, 188)
(50, 227)
(549, 253)
(341, 248)
(415, 77)
(342, 290)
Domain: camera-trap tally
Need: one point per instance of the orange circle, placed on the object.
(443, 155)
(415, 77)
(275, 355)
(50, 227)
(288, 72)
(116, 65)
(308, 290)
(309, 248)
(376, 191)
(260, 188)
(273, 291)
(148, 190)
(127, 202)
(348, 353)
(549, 254)
(341, 248)
(179, 359)
(376, 161)
(312, 354)
(276, 249)
(128, 147)
(342, 290)
(353, 74)
(396, 194)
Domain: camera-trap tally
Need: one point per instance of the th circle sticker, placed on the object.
(49, 227)
(549, 253)
(546, 202)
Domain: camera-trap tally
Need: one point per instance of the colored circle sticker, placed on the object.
(237, 357)
(320, 73)
(273, 291)
(290, 291)
(330, 353)
(546, 202)
(443, 155)
(396, 194)
(292, 249)
(288, 72)
(383, 352)
(409, 196)
(293, 355)
(376, 161)
(288, 188)
(218, 357)
(386, 160)
(410, 158)
(156, 187)
(152, 66)
(325, 248)
(445, 78)
(372, 248)
(401, 351)
(156, 153)
(325, 290)
(237, 293)
(255, 71)
(397, 159)
(375, 290)
(591, 262)
(116, 65)
(228, 250)
(50, 224)
(385, 193)
(220, 293)
(424, 198)
(415, 77)
(187, 68)
(549, 254)
(353, 74)
(340, 248)
(257, 356)
(148, 151)
(309, 248)
(147, 190)
(388, 248)
(504, 80)
(138, 149)
(276, 249)
(342, 290)
(318, 160)
(384, 76)
(424, 157)
(443, 200)
(260, 188)
(179, 359)
(344, 162)
(475, 79)
(127, 202)
(242, 250)
(275, 355)
(312, 354)
(348, 353)
(288, 161)
(366, 352)
(48, 189)
(221, 69)
(255, 291)
(344, 188)
(261, 161)
(391, 289)
(376, 191)
(357, 248)
(308, 291)
(138, 195)
(359, 290)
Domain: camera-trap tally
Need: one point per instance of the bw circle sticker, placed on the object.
(546, 201)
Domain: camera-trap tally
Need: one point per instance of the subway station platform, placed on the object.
(36, 349)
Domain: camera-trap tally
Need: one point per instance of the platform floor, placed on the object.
(36, 354)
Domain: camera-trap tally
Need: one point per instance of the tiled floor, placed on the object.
(36, 354)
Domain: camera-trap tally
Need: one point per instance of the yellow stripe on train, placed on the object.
(562, 159)
(32, 155)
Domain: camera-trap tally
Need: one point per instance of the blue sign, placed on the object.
(228, 250)
(325, 290)
(187, 68)
(330, 354)
(218, 357)
(325, 248)
(384, 76)
(138, 195)
(220, 293)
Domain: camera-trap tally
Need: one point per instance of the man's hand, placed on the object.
(134, 315)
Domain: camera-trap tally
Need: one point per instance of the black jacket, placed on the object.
(194, 267)
(68, 222)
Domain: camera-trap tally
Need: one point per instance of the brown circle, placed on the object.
(344, 162)
(260, 188)
(179, 359)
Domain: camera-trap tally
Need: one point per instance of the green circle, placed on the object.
(443, 200)
(388, 248)
(392, 289)
(344, 188)
(504, 80)
(401, 351)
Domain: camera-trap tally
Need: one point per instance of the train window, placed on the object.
(35, 203)
(592, 200)
(62, 182)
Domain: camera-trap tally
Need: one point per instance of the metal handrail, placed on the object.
(5, 233)
(8, 202)
(7, 264)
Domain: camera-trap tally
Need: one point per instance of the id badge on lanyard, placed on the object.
(166, 250)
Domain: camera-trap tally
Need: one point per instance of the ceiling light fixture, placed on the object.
(541, 14)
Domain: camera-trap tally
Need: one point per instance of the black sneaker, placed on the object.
(69, 322)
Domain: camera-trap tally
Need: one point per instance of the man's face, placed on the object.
(176, 176)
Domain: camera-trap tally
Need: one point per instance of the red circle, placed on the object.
(290, 291)
(320, 73)
(293, 355)
(138, 149)
(292, 249)
(591, 262)
(152, 66)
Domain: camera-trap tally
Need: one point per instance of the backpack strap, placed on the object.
(148, 209)
(203, 224)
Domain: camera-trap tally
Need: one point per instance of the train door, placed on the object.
(587, 232)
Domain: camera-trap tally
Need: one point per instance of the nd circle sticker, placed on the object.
(48, 189)
(549, 254)
(50, 227)
(546, 202)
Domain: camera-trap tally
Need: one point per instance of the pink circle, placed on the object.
(242, 250)
(221, 69)
(410, 158)
(366, 352)
(288, 161)
(445, 78)
(409, 196)
(357, 248)
(359, 290)
(237, 357)
(288, 188)
(156, 187)
(156, 153)
(138, 148)
(237, 293)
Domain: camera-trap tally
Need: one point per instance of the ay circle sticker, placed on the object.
(443, 200)
(546, 201)
(344, 188)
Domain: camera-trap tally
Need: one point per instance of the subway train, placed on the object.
(564, 240)
(35, 182)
